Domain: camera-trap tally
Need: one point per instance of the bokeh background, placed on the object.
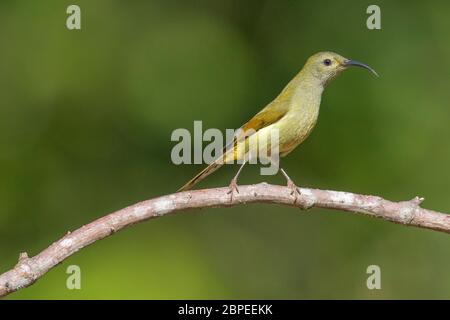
(85, 124)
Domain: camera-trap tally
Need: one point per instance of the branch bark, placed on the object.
(408, 213)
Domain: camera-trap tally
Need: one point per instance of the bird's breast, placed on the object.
(296, 126)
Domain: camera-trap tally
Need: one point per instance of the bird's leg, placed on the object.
(233, 184)
(291, 185)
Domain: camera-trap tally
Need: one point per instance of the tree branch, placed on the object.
(409, 213)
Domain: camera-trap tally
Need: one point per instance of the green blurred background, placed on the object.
(85, 124)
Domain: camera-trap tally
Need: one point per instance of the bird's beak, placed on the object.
(355, 63)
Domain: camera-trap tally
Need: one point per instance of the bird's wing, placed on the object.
(273, 112)
(266, 117)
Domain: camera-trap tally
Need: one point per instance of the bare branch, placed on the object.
(409, 213)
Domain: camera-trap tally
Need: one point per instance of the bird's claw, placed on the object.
(294, 190)
(233, 187)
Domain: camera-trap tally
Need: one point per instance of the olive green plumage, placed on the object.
(293, 113)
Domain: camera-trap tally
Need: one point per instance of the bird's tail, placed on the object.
(202, 175)
(234, 151)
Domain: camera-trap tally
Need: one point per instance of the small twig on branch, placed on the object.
(409, 213)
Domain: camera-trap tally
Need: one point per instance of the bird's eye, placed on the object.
(327, 62)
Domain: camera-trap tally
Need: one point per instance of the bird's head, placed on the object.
(325, 66)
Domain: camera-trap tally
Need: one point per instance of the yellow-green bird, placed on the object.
(293, 114)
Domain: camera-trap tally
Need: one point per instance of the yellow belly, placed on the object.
(291, 131)
(294, 128)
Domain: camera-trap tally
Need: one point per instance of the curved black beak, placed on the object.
(359, 64)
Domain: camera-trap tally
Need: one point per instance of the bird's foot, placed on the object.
(232, 188)
(295, 191)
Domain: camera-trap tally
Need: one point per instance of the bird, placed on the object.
(293, 114)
